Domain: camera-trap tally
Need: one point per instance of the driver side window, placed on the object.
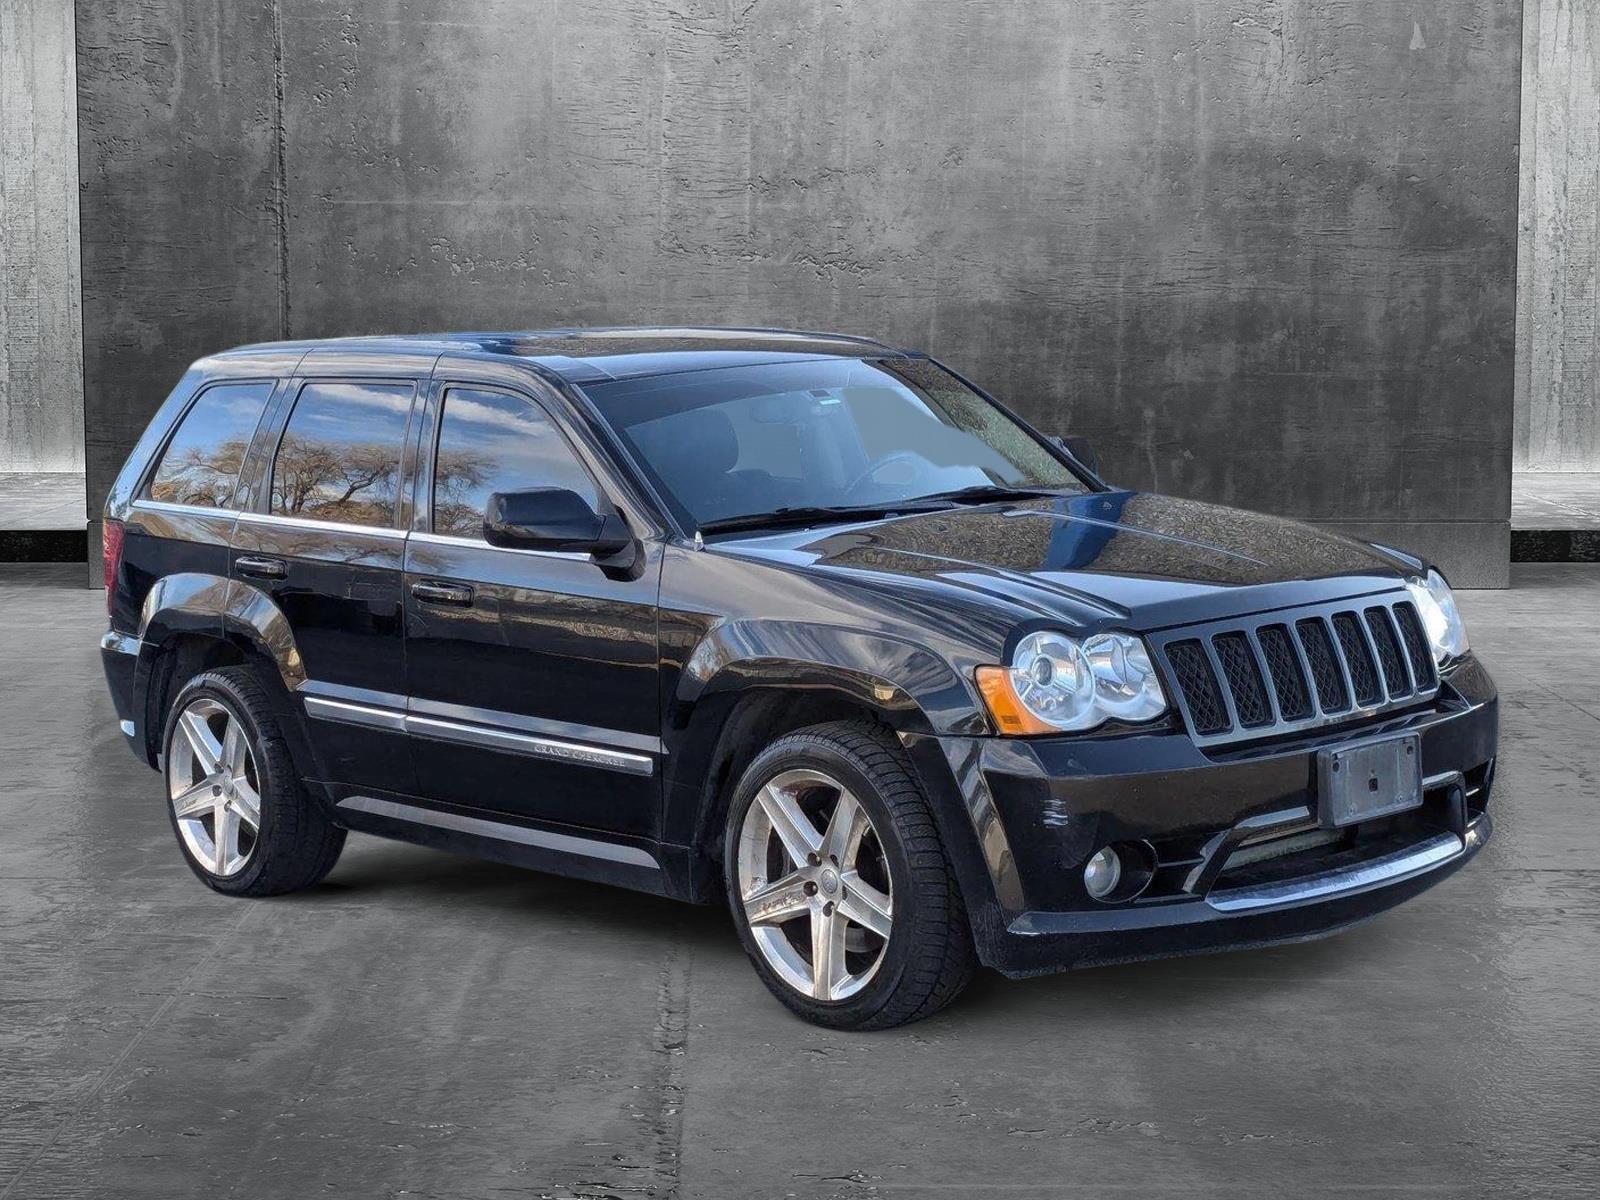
(497, 442)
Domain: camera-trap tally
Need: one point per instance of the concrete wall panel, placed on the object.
(1558, 315)
(41, 342)
(1263, 253)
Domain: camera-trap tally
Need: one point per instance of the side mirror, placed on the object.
(1082, 450)
(552, 519)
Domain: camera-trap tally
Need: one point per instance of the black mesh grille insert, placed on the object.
(1198, 683)
(1244, 679)
(1394, 669)
(1325, 673)
(1283, 664)
(1363, 671)
(1416, 643)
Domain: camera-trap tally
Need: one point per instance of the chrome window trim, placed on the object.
(312, 524)
(121, 643)
(501, 831)
(196, 510)
(397, 720)
(451, 539)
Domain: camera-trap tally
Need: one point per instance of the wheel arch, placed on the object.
(191, 623)
(749, 683)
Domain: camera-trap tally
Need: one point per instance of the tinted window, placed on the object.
(201, 462)
(339, 459)
(493, 442)
(835, 433)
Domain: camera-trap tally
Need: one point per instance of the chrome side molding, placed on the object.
(494, 738)
(500, 831)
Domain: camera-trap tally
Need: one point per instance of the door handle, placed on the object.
(442, 593)
(264, 568)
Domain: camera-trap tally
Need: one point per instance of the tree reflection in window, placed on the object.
(201, 463)
(339, 459)
(496, 442)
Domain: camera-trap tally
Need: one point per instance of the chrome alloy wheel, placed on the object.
(213, 786)
(815, 884)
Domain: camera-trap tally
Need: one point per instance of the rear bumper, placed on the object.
(119, 657)
(1240, 857)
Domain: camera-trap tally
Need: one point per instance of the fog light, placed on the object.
(1103, 873)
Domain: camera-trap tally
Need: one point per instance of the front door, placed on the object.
(326, 543)
(533, 676)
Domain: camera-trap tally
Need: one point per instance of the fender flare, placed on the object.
(915, 692)
(228, 611)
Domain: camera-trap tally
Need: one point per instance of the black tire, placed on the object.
(296, 844)
(929, 957)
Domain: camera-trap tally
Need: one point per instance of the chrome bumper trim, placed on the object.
(122, 643)
(500, 831)
(1391, 868)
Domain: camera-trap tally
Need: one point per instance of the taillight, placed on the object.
(111, 553)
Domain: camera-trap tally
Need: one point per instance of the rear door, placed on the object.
(324, 538)
(533, 675)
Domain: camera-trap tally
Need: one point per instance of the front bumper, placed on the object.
(1241, 859)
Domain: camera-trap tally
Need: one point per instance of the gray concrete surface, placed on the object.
(1263, 253)
(41, 328)
(423, 1025)
(41, 500)
(1555, 500)
(1558, 258)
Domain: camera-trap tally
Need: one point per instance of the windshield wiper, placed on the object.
(984, 492)
(818, 514)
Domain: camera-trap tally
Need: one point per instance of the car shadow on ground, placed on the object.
(395, 872)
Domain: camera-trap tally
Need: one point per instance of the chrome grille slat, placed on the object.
(1234, 680)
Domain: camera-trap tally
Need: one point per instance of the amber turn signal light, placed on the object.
(1010, 715)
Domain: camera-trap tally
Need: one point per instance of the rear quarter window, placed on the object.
(200, 465)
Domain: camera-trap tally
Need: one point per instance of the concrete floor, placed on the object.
(424, 1025)
(41, 500)
(1555, 500)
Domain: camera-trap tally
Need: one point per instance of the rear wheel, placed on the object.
(244, 820)
(840, 888)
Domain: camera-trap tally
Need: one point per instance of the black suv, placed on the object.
(800, 621)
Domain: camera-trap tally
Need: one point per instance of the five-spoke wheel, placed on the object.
(212, 782)
(840, 887)
(814, 884)
(246, 822)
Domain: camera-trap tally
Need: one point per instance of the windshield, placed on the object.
(838, 433)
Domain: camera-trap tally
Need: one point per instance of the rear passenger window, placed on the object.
(339, 459)
(201, 463)
(495, 442)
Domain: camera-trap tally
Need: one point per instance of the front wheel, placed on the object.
(840, 887)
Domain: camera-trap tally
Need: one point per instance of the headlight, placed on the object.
(1057, 683)
(1440, 619)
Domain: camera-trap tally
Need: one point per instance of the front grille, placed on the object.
(1280, 673)
(1363, 671)
(1207, 710)
(1417, 652)
(1244, 679)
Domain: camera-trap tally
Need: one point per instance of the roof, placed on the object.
(596, 355)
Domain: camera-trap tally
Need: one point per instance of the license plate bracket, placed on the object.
(1367, 780)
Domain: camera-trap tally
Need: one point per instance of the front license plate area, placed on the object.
(1369, 780)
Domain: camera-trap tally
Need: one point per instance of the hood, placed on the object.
(1133, 559)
